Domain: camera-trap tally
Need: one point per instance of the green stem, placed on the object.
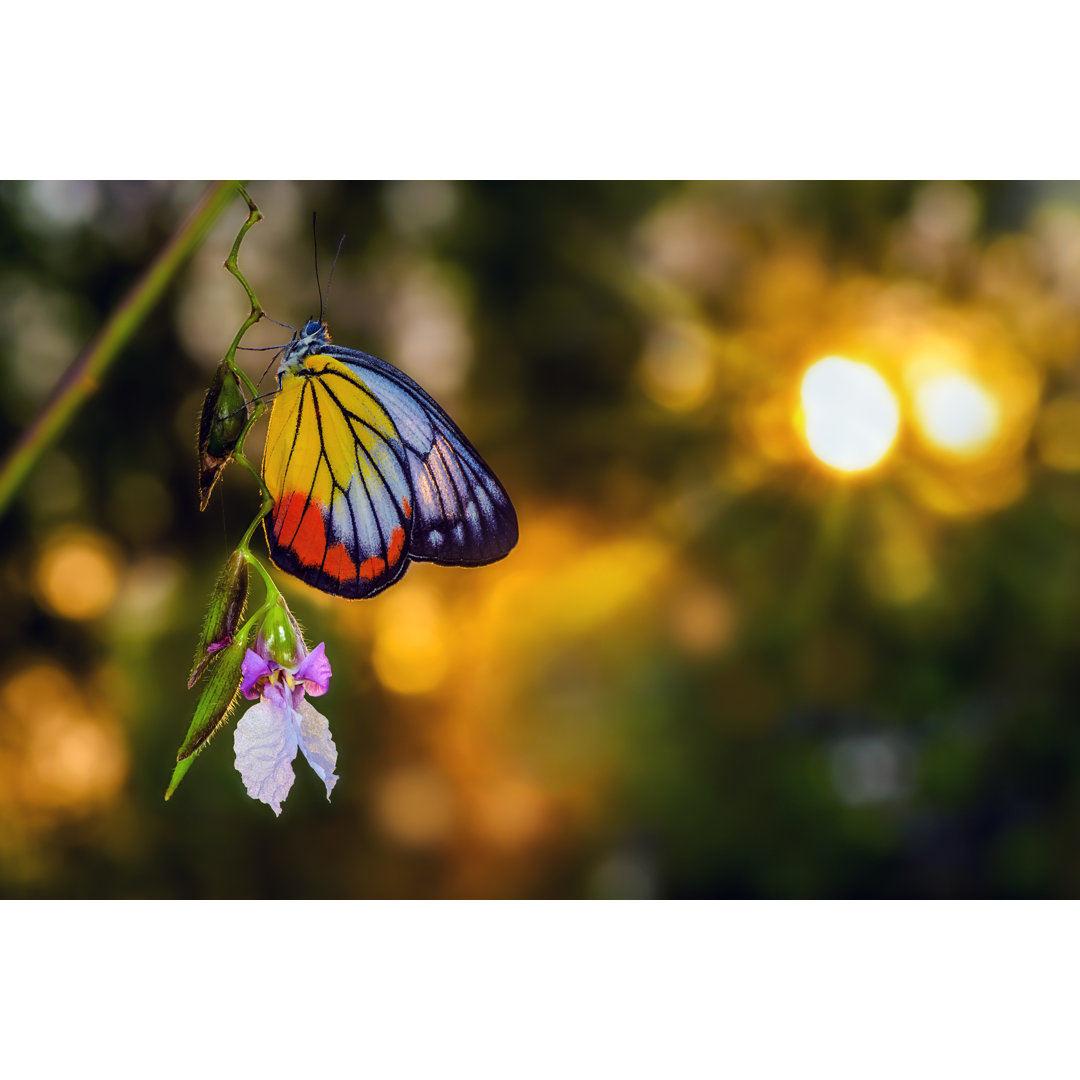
(85, 374)
(267, 505)
(241, 457)
(219, 706)
(271, 589)
(256, 313)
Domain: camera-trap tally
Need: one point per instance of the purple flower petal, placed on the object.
(265, 742)
(253, 668)
(314, 671)
(317, 744)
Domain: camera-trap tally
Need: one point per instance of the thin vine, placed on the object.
(87, 370)
(225, 637)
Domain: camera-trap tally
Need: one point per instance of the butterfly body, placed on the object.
(367, 473)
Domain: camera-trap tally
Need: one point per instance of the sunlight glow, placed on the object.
(67, 754)
(956, 413)
(78, 575)
(851, 414)
(411, 654)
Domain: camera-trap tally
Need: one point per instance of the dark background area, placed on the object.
(715, 666)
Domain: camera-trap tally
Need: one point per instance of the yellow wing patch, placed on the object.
(334, 467)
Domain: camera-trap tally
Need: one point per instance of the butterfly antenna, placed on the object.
(268, 396)
(315, 240)
(333, 267)
(273, 361)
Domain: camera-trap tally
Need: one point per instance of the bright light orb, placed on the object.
(851, 414)
(956, 413)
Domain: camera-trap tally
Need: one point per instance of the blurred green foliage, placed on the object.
(714, 666)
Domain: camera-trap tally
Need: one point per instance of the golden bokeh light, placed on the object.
(78, 575)
(956, 413)
(851, 414)
(511, 812)
(571, 583)
(62, 755)
(414, 805)
(412, 645)
(974, 399)
(677, 368)
(701, 618)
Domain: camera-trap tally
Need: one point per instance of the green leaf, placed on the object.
(218, 696)
(224, 414)
(177, 776)
(227, 603)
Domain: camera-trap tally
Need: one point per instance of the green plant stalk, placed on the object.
(211, 469)
(84, 375)
(245, 550)
(256, 313)
(267, 503)
(257, 409)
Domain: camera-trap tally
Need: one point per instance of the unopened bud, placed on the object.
(224, 414)
(218, 695)
(280, 635)
(227, 603)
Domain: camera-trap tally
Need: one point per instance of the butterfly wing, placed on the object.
(462, 514)
(367, 471)
(338, 474)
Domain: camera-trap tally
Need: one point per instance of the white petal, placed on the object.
(265, 744)
(317, 744)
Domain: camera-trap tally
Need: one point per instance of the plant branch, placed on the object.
(84, 375)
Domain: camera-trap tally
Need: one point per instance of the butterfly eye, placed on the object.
(311, 327)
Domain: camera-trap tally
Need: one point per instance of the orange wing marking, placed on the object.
(301, 520)
(339, 564)
(397, 542)
(371, 568)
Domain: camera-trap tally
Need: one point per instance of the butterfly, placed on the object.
(367, 473)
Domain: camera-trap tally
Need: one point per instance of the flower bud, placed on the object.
(224, 414)
(227, 603)
(279, 636)
(217, 696)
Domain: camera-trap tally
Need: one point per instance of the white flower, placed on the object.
(283, 721)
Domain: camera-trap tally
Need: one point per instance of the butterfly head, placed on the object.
(307, 342)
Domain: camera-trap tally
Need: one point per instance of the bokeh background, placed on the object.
(795, 608)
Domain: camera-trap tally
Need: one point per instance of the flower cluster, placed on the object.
(267, 661)
(284, 721)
